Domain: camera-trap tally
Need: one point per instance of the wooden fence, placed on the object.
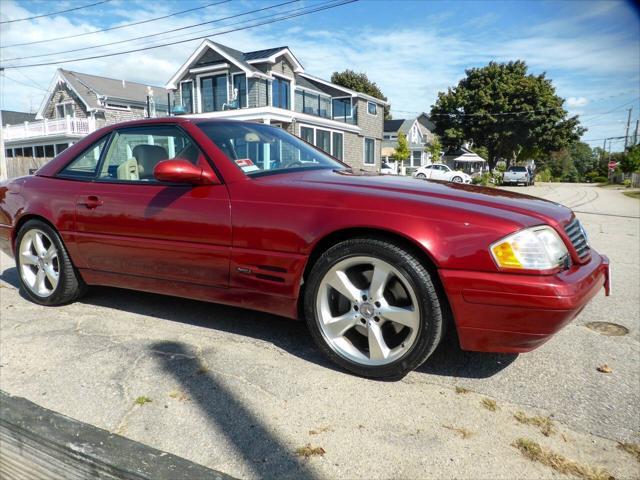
(20, 166)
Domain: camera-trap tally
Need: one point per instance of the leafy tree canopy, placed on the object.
(435, 149)
(511, 113)
(360, 83)
(402, 152)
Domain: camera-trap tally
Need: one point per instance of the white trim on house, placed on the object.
(58, 78)
(353, 93)
(198, 88)
(206, 43)
(209, 68)
(292, 87)
(115, 106)
(364, 151)
(375, 105)
(298, 68)
(331, 131)
(246, 88)
(193, 93)
(278, 115)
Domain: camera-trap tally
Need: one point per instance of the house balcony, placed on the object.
(41, 129)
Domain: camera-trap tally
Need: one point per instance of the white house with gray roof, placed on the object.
(271, 86)
(77, 104)
(419, 135)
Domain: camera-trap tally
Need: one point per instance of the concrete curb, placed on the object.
(40, 443)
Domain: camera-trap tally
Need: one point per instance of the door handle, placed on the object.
(91, 202)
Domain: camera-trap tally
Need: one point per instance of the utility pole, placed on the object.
(3, 157)
(626, 135)
(635, 135)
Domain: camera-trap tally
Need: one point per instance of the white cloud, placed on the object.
(410, 65)
(577, 101)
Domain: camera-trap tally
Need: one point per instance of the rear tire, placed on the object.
(372, 308)
(421, 176)
(46, 273)
(457, 179)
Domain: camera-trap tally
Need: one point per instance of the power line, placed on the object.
(154, 34)
(55, 13)
(116, 27)
(267, 22)
(24, 83)
(521, 112)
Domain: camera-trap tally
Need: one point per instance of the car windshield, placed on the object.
(259, 149)
(517, 169)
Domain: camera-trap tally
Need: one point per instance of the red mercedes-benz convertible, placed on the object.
(246, 214)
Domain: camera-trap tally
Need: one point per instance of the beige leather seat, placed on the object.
(128, 170)
(148, 156)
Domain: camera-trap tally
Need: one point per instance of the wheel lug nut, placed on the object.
(364, 297)
(377, 319)
(363, 321)
(377, 304)
(355, 307)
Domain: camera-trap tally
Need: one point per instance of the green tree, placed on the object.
(434, 149)
(511, 113)
(584, 158)
(360, 83)
(402, 152)
(631, 161)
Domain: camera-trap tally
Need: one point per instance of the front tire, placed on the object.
(372, 308)
(46, 273)
(421, 176)
(457, 179)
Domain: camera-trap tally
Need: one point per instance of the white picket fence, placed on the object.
(40, 128)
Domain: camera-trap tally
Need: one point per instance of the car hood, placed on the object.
(490, 201)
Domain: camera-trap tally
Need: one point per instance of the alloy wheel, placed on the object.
(39, 263)
(367, 311)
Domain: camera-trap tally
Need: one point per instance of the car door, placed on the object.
(128, 223)
(437, 172)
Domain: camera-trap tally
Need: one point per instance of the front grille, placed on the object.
(578, 238)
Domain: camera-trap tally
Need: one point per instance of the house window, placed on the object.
(186, 96)
(372, 108)
(416, 158)
(40, 151)
(306, 134)
(213, 91)
(48, 151)
(337, 145)
(369, 151)
(9, 152)
(341, 108)
(323, 140)
(117, 106)
(240, 87)
(65, 109)
(61, 147)
(281, 90)
(27, 151)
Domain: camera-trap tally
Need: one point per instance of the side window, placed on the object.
(86, 164)
(134, 153)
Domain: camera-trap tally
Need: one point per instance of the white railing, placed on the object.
(43, 128)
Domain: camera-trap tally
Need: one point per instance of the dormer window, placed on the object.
(281, 92)
(372, 108)
(65, 109)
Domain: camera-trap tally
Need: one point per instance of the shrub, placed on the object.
(544, 176)
(627, 183)
(589, 177)
(600, 179)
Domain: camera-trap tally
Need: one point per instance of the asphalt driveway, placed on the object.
(246, 393)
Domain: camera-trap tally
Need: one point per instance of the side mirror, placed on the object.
(182, 171)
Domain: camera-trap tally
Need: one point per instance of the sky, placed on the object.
(412, 49)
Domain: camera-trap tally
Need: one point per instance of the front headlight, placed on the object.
(536, 248)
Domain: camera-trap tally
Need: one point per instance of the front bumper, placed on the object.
(512, 313)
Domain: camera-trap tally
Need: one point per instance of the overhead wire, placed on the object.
(266, 22)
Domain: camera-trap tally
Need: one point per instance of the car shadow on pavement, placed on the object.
(259, 447)
(292, 336)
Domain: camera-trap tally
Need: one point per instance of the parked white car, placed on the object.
(440, 171)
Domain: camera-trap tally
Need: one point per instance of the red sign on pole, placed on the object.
(613, 165)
